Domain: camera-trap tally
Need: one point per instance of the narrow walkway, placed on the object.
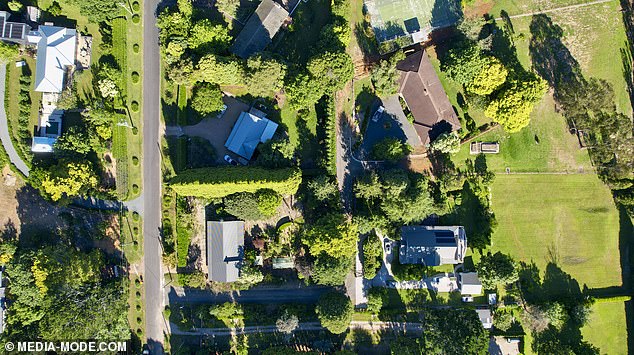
(4, 127)
(563, 8)
(309, 326)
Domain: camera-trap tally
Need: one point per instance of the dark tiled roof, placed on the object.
(260, 29)
(424, 94)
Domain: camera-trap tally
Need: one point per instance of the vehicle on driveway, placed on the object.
(378, 113)
(467, 299)
(222, 112)
(230, 160)
(388, 247)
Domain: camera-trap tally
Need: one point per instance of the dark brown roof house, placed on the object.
(425, 97)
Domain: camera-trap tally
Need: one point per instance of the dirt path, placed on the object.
(563, 8)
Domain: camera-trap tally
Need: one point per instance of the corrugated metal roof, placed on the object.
(248, 132)
(225, 250)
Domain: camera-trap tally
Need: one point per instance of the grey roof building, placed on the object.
(225, 250)
(469, 283)
(15, 32)
(260, 29)
(432, 245)
(485, 317)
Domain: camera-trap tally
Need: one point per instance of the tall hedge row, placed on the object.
(219, 182)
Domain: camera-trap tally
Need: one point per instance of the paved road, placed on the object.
(154, 323)
(308, 326)
(4, 128)
(255, 295)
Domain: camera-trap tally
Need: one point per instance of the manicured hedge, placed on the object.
(613, 299)
(219, 182)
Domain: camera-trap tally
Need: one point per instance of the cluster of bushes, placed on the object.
(222, 181)
(253, 206)
(184, 228)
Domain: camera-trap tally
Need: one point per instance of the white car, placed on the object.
(230, 160)
(467, 299)
(378, 113)
(388, 247)
(222, 112)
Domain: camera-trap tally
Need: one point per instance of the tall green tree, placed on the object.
(334, 311)
(265, 75)
(454, 331)
(207, 99)
(332, 234)
(497, 270)
(512, 106)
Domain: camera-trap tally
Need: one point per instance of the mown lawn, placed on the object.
(545, 145)
(606, 328)
(567, 219)
(514, 7)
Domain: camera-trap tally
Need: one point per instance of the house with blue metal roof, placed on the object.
(249, 131)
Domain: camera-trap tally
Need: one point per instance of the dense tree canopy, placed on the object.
(331, 271)
(67, 179)
(206, 36)
(207, 99)
(454, 331)
(490, 78)
(265, 75)
(385, 75)
(513, 105)
(220, 70)
(497, 270)
(334, 311)
(372, 256)
(448, 143)
(332, 234)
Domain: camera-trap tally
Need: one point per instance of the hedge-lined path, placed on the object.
(4, 127)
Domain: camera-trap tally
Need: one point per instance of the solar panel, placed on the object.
(444, 234)
(445, 240)
(17, 29)
(7, 30)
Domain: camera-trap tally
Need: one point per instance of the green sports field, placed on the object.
(567, 219)
(394, 18)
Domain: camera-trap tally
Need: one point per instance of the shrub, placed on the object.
(135, 77)
(135, 216)
(372, 256)
(135, 189)
(136, 6)
(195, 279)
(134, 106)
(136, 19)
(138, 308)
(135, 130)
(136, 48)
(135, 161)
(222, 181)
(391, 149)
(377, 297)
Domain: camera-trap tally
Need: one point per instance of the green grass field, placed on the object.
(568, 219)
(515, 7)
(606, 329)
(545, 145)
(596, 48)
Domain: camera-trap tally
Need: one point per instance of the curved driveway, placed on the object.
(4, 128)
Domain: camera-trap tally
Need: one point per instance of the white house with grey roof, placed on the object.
(55, 56)
(469, 283)
(432, 245)
(225, 250)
